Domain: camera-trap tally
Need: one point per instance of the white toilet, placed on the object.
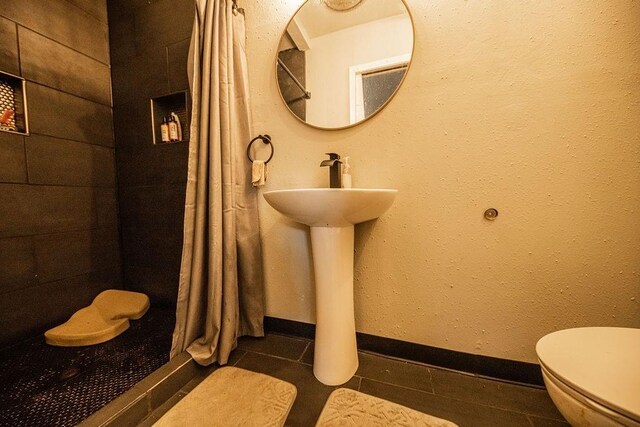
(593, 375)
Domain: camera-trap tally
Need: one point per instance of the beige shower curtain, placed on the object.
(220, 296)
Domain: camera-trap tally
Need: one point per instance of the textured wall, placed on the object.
(150, 42)
(527, 107)
(58, 210)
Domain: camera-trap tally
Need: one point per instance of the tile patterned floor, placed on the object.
(464, 399)
(44, 385)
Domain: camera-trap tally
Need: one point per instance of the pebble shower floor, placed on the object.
(55, 386)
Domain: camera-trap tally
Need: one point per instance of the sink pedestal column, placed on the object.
(331, 214)
(335, 352)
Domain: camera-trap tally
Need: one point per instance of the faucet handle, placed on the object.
(333, 156)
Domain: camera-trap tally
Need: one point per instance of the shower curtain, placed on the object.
(221, 294)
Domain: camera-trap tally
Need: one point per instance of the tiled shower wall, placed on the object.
(149, 46)
(58, 208)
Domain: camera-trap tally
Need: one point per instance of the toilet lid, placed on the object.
(600, 363)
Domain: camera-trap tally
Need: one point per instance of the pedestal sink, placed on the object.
(331, 213)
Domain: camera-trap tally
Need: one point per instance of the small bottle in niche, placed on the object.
(173, 129)
(176, 119)
(6, 117)
(164, 130)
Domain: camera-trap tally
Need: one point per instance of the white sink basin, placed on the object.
(331, 213)
(331, 207)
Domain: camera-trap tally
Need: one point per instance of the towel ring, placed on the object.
(265, 139)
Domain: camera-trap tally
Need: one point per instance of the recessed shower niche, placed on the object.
(13, 104)
(163, 106)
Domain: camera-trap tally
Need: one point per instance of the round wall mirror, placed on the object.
(340, 62)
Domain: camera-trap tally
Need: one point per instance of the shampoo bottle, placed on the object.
(173, 129)
(346, 173)
(176, 120)
(164, 130)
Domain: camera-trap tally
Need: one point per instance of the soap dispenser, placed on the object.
(346, 173)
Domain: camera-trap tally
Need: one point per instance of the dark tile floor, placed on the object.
(42, 385)
(464, 399)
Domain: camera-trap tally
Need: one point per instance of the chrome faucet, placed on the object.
(335, 172)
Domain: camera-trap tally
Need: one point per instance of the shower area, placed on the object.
(90, 197)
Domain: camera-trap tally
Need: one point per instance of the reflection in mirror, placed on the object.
(341, 4)
(336, 68)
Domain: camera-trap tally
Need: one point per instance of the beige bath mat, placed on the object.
(347, 407)
(233, 397)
